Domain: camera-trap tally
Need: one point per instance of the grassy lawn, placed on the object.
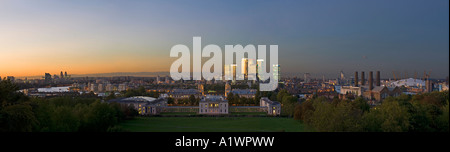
(213, 124)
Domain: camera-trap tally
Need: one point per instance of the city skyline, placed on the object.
(320, 38)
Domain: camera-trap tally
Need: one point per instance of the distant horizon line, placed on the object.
(163, 73)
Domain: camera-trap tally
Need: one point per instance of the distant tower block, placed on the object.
(370, 80)
(377, 81)
(356, 79)
(363, 79)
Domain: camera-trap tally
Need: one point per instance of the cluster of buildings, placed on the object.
(373, 91)
(49, 79)
(209, 104)
(250, 70)
(367, 86)
(144, 105)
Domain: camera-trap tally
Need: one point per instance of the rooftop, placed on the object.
(213, 98)
(270, 101)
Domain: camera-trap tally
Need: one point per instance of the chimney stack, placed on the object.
(356, 78)
(363, 79)
(370, 80)
(377, 81)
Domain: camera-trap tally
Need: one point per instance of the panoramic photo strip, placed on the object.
(220, 74)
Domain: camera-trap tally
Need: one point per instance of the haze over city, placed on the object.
(316, 37)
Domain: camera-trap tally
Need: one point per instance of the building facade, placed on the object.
(380, 93)
(213, 105)
(271, 107)
(246, 93)
(144, 105)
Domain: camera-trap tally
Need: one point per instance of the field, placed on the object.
(213, 124)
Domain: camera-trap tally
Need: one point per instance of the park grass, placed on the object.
(213, 124)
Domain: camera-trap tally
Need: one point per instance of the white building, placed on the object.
(411, 82)
(271, 107)
(358, 91)
(213, 105)
(144, 105)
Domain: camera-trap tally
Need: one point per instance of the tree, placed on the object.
(281, 94)
(9, 94)
(304, 111)
(17, 118)
(192, 100)
(111, 96)
(390, 116)
(230, 98)
(327, 117)
(170, 100)
(442, 120)
(361, 104)
(64, 120)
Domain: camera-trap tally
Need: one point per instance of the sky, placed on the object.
(317, 37)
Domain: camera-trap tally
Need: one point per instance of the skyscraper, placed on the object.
(229, 73)
(61, 75)
(251, 69)
(342, 76)
(65, 74)
(244, 68)
(276, 72)
(260, 68)
(233, 68)
(47, 78)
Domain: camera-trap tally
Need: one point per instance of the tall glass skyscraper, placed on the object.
(260, 68)
(276, 71)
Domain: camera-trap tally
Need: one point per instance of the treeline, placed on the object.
(191, 101)
(139, 92)
(418, 113)
(19, 113)
(235, 99)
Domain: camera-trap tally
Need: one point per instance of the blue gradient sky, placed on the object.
(319, 37)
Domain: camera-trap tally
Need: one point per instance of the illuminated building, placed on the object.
(276, 72)
(260, 68)
(213, 105)
(271, 107)
(244, 68)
